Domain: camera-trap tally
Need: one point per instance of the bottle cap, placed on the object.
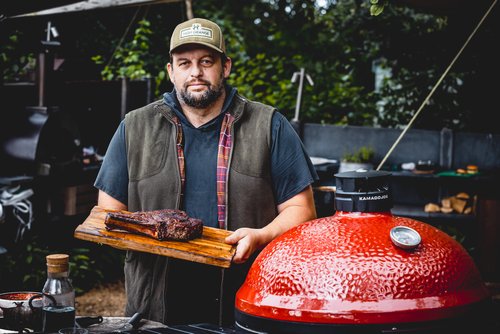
(57, 263)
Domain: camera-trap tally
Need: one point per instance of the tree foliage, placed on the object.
(336, 42)
(129, 60)
(15, 59)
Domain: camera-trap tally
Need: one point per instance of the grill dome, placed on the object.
(345, 270)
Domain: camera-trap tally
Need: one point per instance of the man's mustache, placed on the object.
(197, 82)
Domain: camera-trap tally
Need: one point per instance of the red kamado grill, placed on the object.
(362, 270)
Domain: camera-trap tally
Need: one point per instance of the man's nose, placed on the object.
(196, 70)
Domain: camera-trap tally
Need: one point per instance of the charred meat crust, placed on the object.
(164, 224)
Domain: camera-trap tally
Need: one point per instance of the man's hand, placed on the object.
(292, 212)
(247, 241)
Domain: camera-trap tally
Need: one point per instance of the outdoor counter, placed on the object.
(109, 324)
(113, 325)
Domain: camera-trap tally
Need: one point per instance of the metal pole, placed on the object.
(49, 25)
(299, 95)
(41, 79)
(149, 88)
(124, 97)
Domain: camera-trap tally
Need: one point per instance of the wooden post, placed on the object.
(189, 9)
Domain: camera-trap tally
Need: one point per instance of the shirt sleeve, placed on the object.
(113, 174)
(292, 169)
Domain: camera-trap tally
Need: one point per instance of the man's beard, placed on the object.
(206, 99)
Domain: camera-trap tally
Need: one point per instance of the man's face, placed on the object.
(198, 75)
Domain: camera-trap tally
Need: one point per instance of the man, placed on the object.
(234, 163)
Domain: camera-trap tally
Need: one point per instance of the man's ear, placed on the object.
(169, 71)
(227, 67)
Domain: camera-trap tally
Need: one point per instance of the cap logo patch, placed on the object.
(196, 30)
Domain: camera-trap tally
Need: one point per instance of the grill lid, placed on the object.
(37, 136)
(347, 269)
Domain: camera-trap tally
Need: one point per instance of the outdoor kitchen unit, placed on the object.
(362, 270)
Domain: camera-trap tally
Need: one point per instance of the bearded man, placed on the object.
(235, 164)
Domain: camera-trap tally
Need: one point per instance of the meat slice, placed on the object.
(164, 224)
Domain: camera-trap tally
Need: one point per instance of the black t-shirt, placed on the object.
(291, 168)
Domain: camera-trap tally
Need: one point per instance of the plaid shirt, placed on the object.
(224, 149)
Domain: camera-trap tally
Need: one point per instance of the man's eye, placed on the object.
(207, 62)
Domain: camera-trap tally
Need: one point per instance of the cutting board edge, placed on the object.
(224, 262)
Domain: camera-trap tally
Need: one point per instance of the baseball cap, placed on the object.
(198, 31)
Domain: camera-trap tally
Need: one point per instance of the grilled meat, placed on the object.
(164, 224)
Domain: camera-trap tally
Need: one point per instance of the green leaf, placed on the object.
(376, 10)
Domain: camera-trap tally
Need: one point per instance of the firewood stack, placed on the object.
(460, 203)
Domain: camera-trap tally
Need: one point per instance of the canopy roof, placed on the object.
(24, 8)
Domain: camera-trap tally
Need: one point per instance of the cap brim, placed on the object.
(194, 43)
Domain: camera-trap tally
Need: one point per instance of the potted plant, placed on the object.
(362, 158)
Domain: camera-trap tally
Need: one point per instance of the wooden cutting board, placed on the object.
(209, 249)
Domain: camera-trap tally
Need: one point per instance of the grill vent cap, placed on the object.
(363, 191)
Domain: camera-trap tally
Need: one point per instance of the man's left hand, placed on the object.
(247, 241)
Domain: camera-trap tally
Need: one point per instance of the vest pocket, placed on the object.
(251, 201)
(147, 160)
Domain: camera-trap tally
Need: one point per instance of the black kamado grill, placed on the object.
(40, 153)
(38, 141)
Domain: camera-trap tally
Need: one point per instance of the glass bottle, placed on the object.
(58, 310)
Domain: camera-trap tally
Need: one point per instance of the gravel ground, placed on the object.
(107, 300)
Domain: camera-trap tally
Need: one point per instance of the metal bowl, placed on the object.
(21, 310)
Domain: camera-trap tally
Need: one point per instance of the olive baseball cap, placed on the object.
(198, 31)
